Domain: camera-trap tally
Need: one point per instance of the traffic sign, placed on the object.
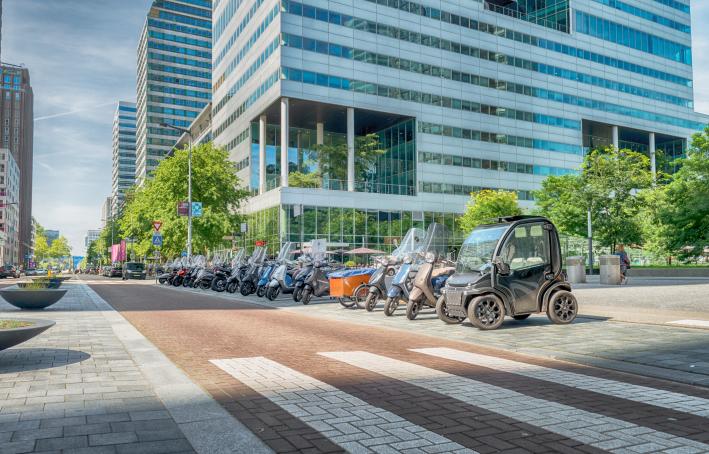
(157, 225)
(196, 209)
(157, 239)
(184, 253)
(183, 209)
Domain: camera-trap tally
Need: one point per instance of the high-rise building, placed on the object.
(16, 118)
(9, 210)
(174, 76)
(459, 95)
(123, 153)
(106, 211)
(91, 236)
(51, 235)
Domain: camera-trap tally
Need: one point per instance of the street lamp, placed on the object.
(189, 182)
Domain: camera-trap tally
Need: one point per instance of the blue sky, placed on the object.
(82, 57)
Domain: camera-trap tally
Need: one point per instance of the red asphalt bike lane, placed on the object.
(193, 329)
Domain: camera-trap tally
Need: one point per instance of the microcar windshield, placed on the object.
(476, 252)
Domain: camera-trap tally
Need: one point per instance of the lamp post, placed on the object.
(189, 183)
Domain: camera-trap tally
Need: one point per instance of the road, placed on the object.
(325, 379)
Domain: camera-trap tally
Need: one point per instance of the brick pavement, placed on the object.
(78, 388)
(193, 329)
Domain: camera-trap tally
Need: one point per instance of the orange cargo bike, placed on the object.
(350, 286)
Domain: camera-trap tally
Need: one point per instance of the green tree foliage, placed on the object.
(214, 183)
(678, 213)
(60, 248)
(41, 246)
(487, 205)
(609, 184)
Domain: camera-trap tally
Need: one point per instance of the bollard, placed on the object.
(575, 270)
(610, 269)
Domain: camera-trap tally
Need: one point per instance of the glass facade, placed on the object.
(547, 13)
(123, 176)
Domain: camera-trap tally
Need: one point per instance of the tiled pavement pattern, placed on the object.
(76, 388)
(346, 420)
(596, 430)
(667, 399)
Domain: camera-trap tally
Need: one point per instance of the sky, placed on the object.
(82, 59)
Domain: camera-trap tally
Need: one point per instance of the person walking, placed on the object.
(624, 263)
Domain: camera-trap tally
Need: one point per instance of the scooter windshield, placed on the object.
(476, 252)
(410, 244)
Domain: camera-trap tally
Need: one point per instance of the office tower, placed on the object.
(16, 118)
(493, 94)
(9, 210)
(106, 211)
(51, 235)
(174, 76)
(123, 154)
(91, 236)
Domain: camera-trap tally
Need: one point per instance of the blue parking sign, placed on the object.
(196, 209)
(157, 239)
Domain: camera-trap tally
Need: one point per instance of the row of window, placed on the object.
(185, 20)
(202, 3)
(177, 101)
(639, 12)
(263, 88)
(127, 117)
(164, 132)
(247, 75)
(426, 157)
(234, 36)
(170, 111)
(501, 32)
(635, 39)
(325, 80)
(170, 121)
(172, 6)
(675, 4)
(179, 91)
(466, 190)
(225, 17)
(437, 71)
(179, 60)
(492, 137)
(248, 45)
(179, 50)
(180, 39)
(243, 164)
(179, 28)
(179, 80)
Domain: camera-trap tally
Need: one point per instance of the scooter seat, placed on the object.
(447, 271)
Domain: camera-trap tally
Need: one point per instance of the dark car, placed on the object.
(8, 271)
(134, 270)
(114, 271)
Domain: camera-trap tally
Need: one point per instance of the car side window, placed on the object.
(527, 246)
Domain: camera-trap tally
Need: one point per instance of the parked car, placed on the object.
(40, 272)
(9, 271)
(114, 271)
(30, 272)
(134, 270)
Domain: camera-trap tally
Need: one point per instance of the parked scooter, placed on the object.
(317, 282)
(430, 278)
(400, 285)
(306, 267)
(247, 285)
(282, 275)
(265, 278)
(238, 270)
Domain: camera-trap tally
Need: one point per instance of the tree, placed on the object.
(60, 248)
(214, 183)
(486, 206)
(682, 217)
(41, 248)
(609, 184)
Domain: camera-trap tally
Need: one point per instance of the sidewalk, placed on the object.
(93, 383)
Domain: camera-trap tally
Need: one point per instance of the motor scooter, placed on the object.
(400, 286)
(317, 282)
(247, 285)
(427, 287)
(306, 267)
(265, 278)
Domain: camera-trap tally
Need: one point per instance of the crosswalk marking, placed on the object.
(651, 396)
(346, 420)
(597, 430)
(697, 323)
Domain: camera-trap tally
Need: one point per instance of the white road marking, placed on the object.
(697, 323)
(346, 420)
(597, 430)
(644, 394)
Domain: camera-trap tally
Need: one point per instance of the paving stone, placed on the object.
(113, 438)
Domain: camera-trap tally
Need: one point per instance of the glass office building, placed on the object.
(174, 76)
(355, 120)
(123, 176)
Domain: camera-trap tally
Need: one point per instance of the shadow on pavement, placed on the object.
(25, 359)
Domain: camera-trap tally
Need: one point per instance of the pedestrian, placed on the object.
(624, 263)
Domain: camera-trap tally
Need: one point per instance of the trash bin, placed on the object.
(575, 270)
(610, 269)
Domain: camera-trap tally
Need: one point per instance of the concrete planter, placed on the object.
(11, 337)
(32, 299)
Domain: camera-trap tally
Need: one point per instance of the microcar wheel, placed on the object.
(486, 312)
(442, 312)
(390, 306)
(521, 317)
(412, 309)
(563, 307)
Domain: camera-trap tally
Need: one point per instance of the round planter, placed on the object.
(11, 337)
(32, 299)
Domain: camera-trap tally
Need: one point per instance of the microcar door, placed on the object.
(526, 251)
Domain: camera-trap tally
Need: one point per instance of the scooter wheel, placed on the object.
(260, 291)
(442, 312)
(371, 302)
(231, 287)
(305, 299)
(346, 302)
(390, 306)
(298, 294)
(245, 288)
(360, 295)
(412, 309)
(272, 293)
(162, 280)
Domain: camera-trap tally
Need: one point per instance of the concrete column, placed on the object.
(653, 163)
(616, 137)
(285, 124)
(262, 125)
(350, 150)
(320, 133)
